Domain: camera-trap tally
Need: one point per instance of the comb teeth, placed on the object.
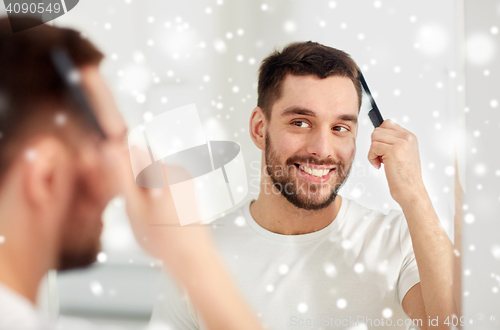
(375, 117)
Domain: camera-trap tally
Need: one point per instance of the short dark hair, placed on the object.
(32, 93)
(302, 58)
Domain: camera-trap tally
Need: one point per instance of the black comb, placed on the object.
(71, 77)
(374, 113)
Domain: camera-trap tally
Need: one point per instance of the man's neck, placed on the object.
(19, 276)
(276, 214)
(24, 260)
(26, 254)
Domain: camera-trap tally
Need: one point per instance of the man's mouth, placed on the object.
(320, 172)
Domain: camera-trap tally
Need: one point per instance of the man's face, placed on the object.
(95, 183)
(310, 139)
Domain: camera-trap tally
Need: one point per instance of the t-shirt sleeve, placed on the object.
(408, 274)
(172, 309)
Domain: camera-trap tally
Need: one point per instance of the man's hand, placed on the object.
(154, 218)
(397, 149)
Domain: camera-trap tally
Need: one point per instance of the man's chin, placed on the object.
(78, 259)
(313, 203)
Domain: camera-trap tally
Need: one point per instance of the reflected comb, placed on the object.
(70, 76)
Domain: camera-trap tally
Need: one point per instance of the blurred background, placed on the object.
(432, 66)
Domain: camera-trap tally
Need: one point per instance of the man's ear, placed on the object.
(46, 173)
(257, 128)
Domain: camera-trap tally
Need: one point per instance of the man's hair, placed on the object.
(32, 93)
(301, 59)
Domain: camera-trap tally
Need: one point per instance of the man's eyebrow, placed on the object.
(298, 111)
(347, 117)
(308, 112)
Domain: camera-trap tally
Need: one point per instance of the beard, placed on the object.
(78, 257)
(286, 179)
(81, 230)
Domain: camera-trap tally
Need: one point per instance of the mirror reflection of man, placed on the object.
(304, 255)
(57, 174)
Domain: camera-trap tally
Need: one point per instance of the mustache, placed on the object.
(312, 161)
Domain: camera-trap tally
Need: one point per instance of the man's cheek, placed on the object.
(346, 148)
(285, 149)
(347, 154)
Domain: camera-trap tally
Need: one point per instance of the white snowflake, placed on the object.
(330, 269)
(480, 169)
(341, 303)
(387, 313)
(469, 218)
(96, 288)
(102, 257)
(449, 170)
(302, 308)
(220, 46)
(30, 155)
(359, 268)
(289, 26)
(239, 221)
(495, 251)
(479, 48)
(283, 269)
(61, 119)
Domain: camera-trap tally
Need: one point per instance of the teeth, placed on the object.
(314, 172)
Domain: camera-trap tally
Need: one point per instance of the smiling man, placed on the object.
(306, 257)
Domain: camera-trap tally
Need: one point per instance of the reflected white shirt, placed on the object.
(17, 312)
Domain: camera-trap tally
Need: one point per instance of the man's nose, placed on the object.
(320, 144)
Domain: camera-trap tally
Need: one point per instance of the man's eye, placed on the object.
(300, 123)
(340, 129)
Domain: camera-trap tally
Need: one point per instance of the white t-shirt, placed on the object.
(17, 312)
(352, 274)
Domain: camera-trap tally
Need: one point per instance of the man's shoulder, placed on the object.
(236, 217)
(358, 213)
(372, 226)
(233, 222)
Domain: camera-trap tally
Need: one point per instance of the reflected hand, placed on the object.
(154, 218)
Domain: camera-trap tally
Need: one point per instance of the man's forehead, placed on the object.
(335, 84)
(314, 94)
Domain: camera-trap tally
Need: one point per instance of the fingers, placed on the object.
(385, 135)
(128, 186)
(391, 133)
(391, 124)
(376, 153)
(390, 140)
